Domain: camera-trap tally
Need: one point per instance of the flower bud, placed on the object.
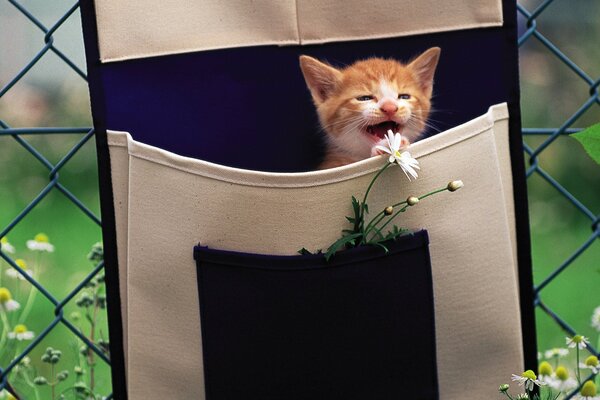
(388, 210)
(62, 375)
(455, 185)
(412, 200)
(40, 381)
(503, 388)
(80, 387)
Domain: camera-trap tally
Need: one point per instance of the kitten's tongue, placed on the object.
(381, 129)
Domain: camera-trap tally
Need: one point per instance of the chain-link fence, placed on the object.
(532, 19)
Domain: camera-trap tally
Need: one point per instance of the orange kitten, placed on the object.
(358, 104)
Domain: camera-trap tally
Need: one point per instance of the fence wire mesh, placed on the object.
(533, 20)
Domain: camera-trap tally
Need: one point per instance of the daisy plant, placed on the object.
(17, 300)
(378, 230)
(556, 382)
(529, 381)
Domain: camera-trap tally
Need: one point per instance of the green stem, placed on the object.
(364, 201)
(29, 305)
(377, 219)
(5, 329)
(53, 380)
(508, 395)
(91, 353)
(29, 382)
(577, 369)
(371, 226)
(394, 216)
(32, 294)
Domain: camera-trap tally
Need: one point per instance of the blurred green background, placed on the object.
(53, 95)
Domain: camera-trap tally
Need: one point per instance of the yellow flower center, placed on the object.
(577, 339)
(4, 240)
(10, 397)
(591, 361)
(5, 295)
(588, 389)
(20, 328)
(41, 237)
(545, 368)
(21, 263)
(529, 374)
(397, 153)
(562, 373)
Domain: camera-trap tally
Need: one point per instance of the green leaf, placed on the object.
(590, 140)
(355, 205)
(351, 220)
(304, 252)
(366, 208)
(340, 243)
(383, 247)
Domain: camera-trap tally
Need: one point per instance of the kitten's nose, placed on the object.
(389, 107)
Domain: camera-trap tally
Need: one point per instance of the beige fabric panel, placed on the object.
(137, 29)
(177, 202)
(325, 21)
(120, 184)
(503, 149)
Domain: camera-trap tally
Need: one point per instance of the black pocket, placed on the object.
(360, 326)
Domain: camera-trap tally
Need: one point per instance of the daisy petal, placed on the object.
(383, 148)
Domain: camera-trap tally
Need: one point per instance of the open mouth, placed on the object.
(381, 129)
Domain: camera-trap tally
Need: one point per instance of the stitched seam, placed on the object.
(300, 41)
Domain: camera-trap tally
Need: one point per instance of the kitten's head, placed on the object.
(359, 103)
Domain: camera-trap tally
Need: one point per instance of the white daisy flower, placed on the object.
(6, 301)
(394, 148)
(528, 379)
(561, 380)
(562, 385)
(596, 319)
(522, 396)
(40, 243)
(588, 391)
(577, 341)
(21, 333)
(592, 363)
(12, 273)
(556, 352)
(545, 371)
(6, 246)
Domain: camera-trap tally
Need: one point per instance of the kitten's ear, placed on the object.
(424, 66)
(321, 79)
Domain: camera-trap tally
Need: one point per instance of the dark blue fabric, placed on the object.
(249, 107)
(297, 328)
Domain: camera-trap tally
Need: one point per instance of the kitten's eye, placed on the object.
(364, 98)
(404, 96)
